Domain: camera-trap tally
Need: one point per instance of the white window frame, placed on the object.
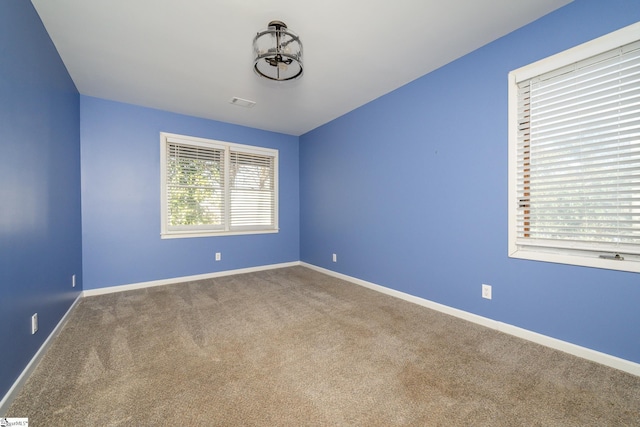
(587, 50)
(168, 232)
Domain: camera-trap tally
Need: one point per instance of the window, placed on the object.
(211, 187)
(574, 155)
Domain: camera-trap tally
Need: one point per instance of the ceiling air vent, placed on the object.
(242, 102)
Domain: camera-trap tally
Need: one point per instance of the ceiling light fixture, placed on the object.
(278, 53)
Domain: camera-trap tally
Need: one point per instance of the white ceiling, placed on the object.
(193, 56)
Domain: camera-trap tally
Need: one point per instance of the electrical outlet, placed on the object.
(73, 281)
(218, 256)
(486, 291)
(335, 258)
(34, 323)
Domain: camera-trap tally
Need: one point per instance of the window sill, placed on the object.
(630, 263)
(185, 235)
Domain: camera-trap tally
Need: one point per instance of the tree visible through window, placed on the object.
(195, 185)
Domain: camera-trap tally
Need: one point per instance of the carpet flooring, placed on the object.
(294, 347)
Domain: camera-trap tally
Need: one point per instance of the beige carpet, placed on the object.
(293, 347)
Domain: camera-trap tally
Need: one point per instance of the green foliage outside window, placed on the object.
(194, 186)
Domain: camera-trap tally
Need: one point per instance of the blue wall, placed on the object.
(121, 199)
(410, 191)
(40, 227)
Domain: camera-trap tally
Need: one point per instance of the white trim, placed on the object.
(208, 142)
(31, 366)
(566, 347)
(142, 285)
(586, 50)
(183, 234)
(630, 262)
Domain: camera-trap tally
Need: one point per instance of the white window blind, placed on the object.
(212, 187)
(252, 190)
(578, 156)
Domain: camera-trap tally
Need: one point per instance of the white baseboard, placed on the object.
(26, 372)
(564, 346)
(141, 285)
